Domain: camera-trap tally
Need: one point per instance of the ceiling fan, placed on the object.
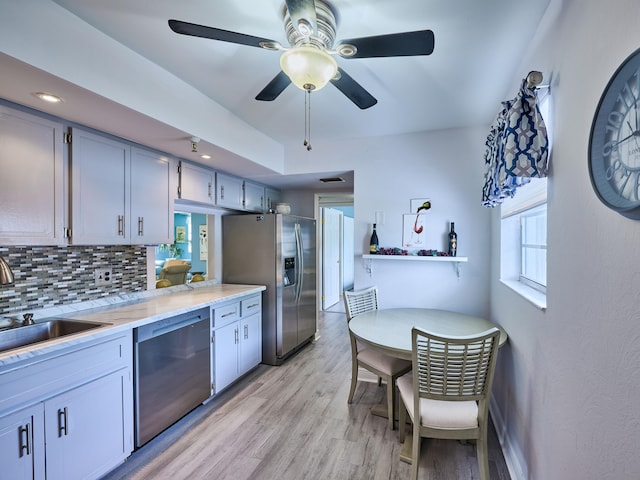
(310, 26)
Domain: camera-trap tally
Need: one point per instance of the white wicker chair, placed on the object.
(447, 393)
(385, 367)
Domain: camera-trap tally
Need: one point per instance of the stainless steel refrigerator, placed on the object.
(278, 251)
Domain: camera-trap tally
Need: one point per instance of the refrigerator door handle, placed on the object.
(300, 263)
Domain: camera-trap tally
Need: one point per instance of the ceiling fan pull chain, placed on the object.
(307, 119)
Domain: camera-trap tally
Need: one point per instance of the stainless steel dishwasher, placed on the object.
(172, 371)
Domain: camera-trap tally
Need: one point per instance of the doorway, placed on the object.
(335, 255)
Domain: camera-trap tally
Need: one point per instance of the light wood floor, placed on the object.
(293, 422)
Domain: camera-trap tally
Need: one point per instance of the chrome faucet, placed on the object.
(28, 319)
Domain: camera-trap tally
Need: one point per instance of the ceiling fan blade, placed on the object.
(303, 16)
(274, 88)
(353, 90)
(392, 45)
(186, 28)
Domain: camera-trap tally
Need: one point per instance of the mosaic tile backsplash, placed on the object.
(50, 276)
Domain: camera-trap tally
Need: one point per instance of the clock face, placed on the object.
(614, 145)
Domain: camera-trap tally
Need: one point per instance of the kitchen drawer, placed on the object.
(48, 375)
(251, 305)
(225, 314)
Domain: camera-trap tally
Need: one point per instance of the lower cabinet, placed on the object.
(22, 444)
(237, 340)
(250, 353)
(83, 430)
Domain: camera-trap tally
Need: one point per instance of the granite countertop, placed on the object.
(125, 312)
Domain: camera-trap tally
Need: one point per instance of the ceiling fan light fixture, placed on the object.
(308, 67)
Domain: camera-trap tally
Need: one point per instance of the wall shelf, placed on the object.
(456, 261)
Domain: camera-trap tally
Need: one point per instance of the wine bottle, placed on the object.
(373, 243)
(453, 241)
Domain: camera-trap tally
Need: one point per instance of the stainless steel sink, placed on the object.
(42, 331)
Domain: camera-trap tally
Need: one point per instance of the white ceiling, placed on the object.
(478, 45)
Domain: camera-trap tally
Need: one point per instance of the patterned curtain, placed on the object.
(517, 147)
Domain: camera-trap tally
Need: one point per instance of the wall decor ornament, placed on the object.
(413, 224)
(204, 242)
(181, 234)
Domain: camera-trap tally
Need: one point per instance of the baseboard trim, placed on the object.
(513, 456)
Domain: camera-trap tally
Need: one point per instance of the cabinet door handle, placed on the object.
(63, 419)
(140, 226)
(121, 225)
(246, 332)
(209, 189)
(237, 338)
(25, 439)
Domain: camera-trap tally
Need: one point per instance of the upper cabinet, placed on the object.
(254, 200)
(272, 197)
(229, 192)
(100, 189)
(203, 185)
(117, 199)
(196, 183)
(152, 185)
(32, 183)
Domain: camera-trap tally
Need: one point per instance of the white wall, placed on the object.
(568, 381)
(446, 167)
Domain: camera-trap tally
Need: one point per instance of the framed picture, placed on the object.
(181, 234)
(413, 230)
(204, 244)
(416, 203)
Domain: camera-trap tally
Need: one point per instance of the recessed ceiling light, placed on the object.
(205, 156)
(48, 97)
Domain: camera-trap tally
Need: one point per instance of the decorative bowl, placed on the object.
(283, 208)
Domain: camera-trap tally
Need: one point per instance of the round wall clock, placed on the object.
(614, 142)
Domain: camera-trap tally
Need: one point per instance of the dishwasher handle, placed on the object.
(167, 325)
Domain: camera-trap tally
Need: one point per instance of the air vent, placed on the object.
(332, 179)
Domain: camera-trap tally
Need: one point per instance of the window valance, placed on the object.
(517, 147)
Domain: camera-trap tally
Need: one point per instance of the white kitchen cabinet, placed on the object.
(225, 355)
(22, 444)
(237, 340)
(250, 353)
(76, 435)
(196, 183)
(100, 190)
(120, 195)
(152, 188)
(78, 419)
(254, 200)
(85, 429)
(32, 183)
(229, 191)
(272, 196)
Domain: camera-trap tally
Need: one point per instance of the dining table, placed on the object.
(389, 330)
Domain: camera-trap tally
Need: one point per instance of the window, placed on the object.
(523, 246)
(533, 245)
